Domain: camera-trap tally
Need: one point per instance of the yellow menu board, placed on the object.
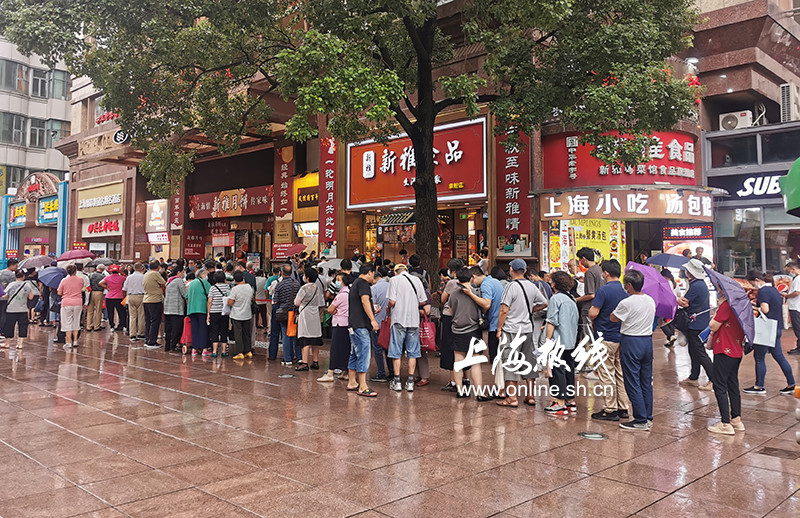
(605, 237)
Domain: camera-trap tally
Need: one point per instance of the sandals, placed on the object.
(530, 401)
(367, 393)
(315, 366)
(353, 389)
(301, 367)
(505, 403)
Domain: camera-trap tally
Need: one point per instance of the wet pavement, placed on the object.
(112, 429)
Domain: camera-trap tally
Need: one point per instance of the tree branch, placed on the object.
(403, 119)
(452, 101)
(419, 46)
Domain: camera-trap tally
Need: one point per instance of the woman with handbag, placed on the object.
(769, 302)
(218, 311)
(174, 310)
(309, 326)
(340, 334)
(19, 293)
(727, 342)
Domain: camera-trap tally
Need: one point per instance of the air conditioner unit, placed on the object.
(790, 102)
(735, 120)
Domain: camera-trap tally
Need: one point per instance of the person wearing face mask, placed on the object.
(340, 336)
(380, 291)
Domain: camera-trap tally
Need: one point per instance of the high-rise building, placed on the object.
(34, 114)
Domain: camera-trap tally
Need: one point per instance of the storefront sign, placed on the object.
(101, 227)
(379, 176)
(102, 144)
(283, 231)
(37, 240)
(513, 184)
(327, 189)
(628, 204)
(104, 200)
(12, 254)
(17, 214)
(193, 244)
(80, 245)
(218, 226)
(307, 197)
(158, 238)
(36, 186)
(48, 210)
(566, 237)
(283, 173)
(223, 240)
(231, 203)
(687, 232)
(177, 205)
(568, 164)
(280, 251)
(748, 186)
(156, 216)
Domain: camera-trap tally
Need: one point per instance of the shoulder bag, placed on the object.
(226, 308)
(282, 313)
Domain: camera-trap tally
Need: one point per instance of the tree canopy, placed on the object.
(370, 67)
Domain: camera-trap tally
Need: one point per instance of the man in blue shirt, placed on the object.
(696, 303)
(605, 301)
(490, 289)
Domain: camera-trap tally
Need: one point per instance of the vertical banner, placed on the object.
(284, 171)
(327, 199)
(513, 204)
(177, 207)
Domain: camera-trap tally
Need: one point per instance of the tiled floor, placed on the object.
(114, 430)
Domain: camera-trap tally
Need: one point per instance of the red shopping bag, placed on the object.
(427, 335)
(385, 333)
(186, 337)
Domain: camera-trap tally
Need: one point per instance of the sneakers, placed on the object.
(556, 409)
(249, 355)
(572, 407)
(195, 352)
(287, 364)
(623, 414)
(755, 390)
(708, 386)
(395, 385)
(153, 346)
(722, 428)
(326, 378)
(796, 350)
(410, 385)
(737, 424)
(67, 347)
(605, 416)
(633, 426)
(206, 352)
(450, 387)
(786, 390)
(239, 356)
(379, 378)
(689, 383)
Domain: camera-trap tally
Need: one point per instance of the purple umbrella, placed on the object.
(738, 299)
(658, 288)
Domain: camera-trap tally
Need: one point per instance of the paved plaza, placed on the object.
(114, 430)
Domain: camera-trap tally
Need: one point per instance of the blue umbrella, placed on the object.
(738, 299)
(52, 277)
(667, 260)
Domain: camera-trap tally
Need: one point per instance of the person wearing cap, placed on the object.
(519, 301)
(696, 303)
(113, 283)
(406, 299)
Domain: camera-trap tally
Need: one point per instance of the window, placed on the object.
(14, 176)
(98, 107)
(735, 151)
(39, 83)
(59, 84)
(58, 130)
(13, 77)
(12, 128)
(739, 241)
(38, 133)
(780, 147)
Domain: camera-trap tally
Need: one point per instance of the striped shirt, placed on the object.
(216, 294)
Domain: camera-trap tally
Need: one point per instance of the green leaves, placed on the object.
(165, 167)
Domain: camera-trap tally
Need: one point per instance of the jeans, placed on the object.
(377, 350)
(404, 338)
(360, 345)
(152, 321)
(173, 329)
(289, 345)
(242, 330)
(636, 357)
(795, 317)
(760, 352)
(698, 355)
(274, 334)
(726, 386)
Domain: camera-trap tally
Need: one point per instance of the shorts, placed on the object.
(512, 370)
(461, 341)
(360, 349)
(218, 328)
(404, 338)
(13, 319)
(71, 318)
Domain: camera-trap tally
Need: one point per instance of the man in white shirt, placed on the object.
(637, 314)
(793, 297)
(406, 298)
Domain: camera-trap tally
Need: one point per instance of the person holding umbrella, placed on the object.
(696, 303)
(727, 343)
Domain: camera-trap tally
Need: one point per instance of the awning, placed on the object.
(790, 187)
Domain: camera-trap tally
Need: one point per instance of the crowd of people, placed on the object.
(378, 312)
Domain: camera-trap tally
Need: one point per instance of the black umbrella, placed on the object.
(667, 260)
(105, 261)
(52, 276)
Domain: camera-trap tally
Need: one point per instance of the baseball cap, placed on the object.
(519, 265)
(400, 266)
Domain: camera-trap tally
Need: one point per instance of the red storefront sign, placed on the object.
(224, 240)
(194, 244)
(284, 171)
(103, 227)
(12, 254)
(281, 250)
(176, 206)
(80, 245)
(218, 226)
(379, 176)
(327, 191)
(569, 164)
(513, 184)
(234, 202)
